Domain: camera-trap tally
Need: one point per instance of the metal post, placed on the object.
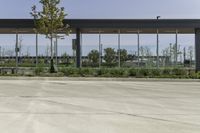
(36, 50)
(56, 51)
(197, 49)
(99, 49)
(81, 50)
(176, 48)
(138, 47)
(119, 49)
(0, 54)
(101, 53)
(17, 49)
(157, 50)
(78, 47)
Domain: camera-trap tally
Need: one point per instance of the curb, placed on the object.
(100, 79)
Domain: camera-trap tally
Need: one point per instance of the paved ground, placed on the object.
(56, 106)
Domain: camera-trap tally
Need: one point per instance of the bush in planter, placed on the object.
(192, 74)
(179, 72)
(39, 70)
(132, 72)
(198, 75)
(118, 72)
(166, 72)
(143, 72)
(86, 72)
(105, 72)
(70, 71)
(155, 72)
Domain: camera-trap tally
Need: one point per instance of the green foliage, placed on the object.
(198, 75)
(39, 70)
(49, 21)
(166, 72)
(192, 74)
(155, 72)
(85, 72)
(123, 55)
(110, 56)
(94, 57)
(109, 72)
(117, 72)
(70, 71)
(103, 71)
(132, 72)
(143, 72)
(179, 72)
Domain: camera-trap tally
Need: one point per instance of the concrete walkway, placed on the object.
(59, 106)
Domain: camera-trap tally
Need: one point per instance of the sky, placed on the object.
(107, 9)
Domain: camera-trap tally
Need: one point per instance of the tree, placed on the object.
(110, 56)
(123, 55)
(49, 22)
(146, 53)
(94, 56)
(166, 56)
(190, 54)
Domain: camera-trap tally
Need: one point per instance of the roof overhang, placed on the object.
(108, 26)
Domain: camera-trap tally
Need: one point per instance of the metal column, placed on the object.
(119, 48)
(78, 48)
(17, 49)
(176, 48)
(138, 47)
(36, 41)
(81, 51)
(197, 49)
(157, 50)
(0, 54)
(56, 51)
(100, 53)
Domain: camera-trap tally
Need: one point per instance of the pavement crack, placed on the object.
(127, 114)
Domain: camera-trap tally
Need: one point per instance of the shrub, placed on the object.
(192, 74)
(104, 72)
(39, 70)
(198, 75)
(70, 71)
(86, 72)
(132, 72)
(179, 72)
(166, 72)
(143, 73)
(118, 72)
(155, 72)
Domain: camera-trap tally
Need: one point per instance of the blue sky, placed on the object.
(131, 9)
(110, 8)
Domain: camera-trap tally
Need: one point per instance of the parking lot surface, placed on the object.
(58, 106)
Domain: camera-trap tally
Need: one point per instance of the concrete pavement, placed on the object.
(58, 106)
